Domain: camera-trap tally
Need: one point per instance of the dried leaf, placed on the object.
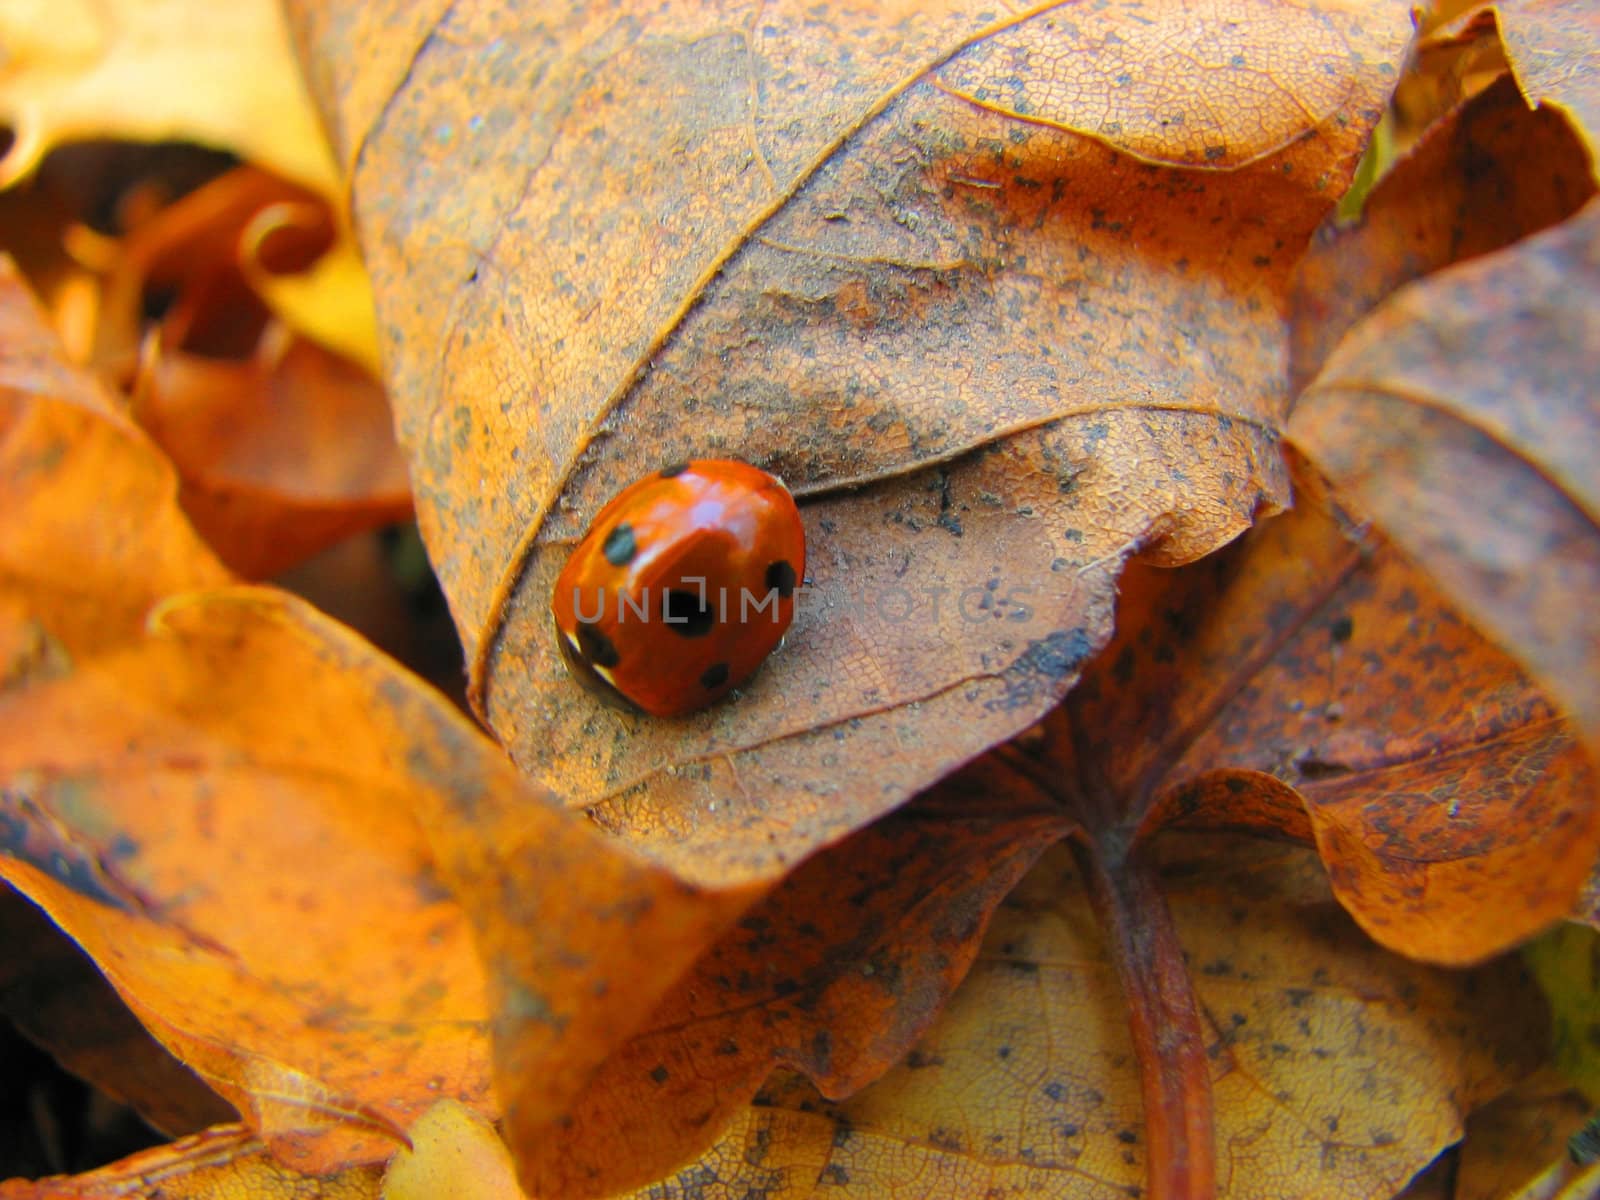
(954, 275)
(1566, 962)
(1554, 48)
(1339, 1070)
(836, 974)
(284, 446)
(52, 992)
(157, 70)
(179, 817)
(455, 1153)
(1458, 52)
(281, 455)
(1298, 684)
(186, 260)
(173, 798)
(1453, 807)
(1460, 417)
(222, 1162)
(92, 535)
(1488, 174)
(1521, 1137)
(328, 302)
(1303, 685)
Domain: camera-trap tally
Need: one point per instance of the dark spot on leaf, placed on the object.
(659, 1074)
(822, 1051)
(945, 1139)
(1342, 629)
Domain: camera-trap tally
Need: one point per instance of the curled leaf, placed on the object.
(953, 273)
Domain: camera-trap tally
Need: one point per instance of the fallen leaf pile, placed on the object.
(1193, 702)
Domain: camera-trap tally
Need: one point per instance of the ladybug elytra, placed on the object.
(682, 586)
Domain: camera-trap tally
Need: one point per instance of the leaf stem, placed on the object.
(1164, 1017)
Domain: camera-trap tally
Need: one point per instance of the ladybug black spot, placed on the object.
(714, 677)
(780, 575)
(596, 646)
(677, 468)
(620, 546)
(687, 615)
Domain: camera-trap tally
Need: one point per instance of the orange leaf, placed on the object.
(836, 973)
(218, 856)
(1491, 172)
(955, 274)
(281, 455)
(230, 802)
(1452, 805)
(222, 1162)
(91, 535)
(1516, 1148)
(284, 446)
(1461, 417)
(53, 993)
(1300, 684)
(1339, 1070)
(157, 70)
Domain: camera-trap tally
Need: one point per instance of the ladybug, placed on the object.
(682, 586)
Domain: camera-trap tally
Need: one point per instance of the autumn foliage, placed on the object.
(1191, 711)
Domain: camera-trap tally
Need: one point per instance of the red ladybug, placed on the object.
(682, 586)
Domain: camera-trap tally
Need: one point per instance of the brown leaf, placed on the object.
(1339, 1070)
(1490, 173)
(284, 446)
(955, 276)
(1299, 683)
(1554, 48)
(178, 818)
(1521, 1140)
(455, 1153)
(1452, 805)
(281, 455)
(1458, 52)
(836, 974)
(185, 260)
(1305, 685)
(1460, 417)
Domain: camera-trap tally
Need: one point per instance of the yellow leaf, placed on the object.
(222, 75)
(455, 1153)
